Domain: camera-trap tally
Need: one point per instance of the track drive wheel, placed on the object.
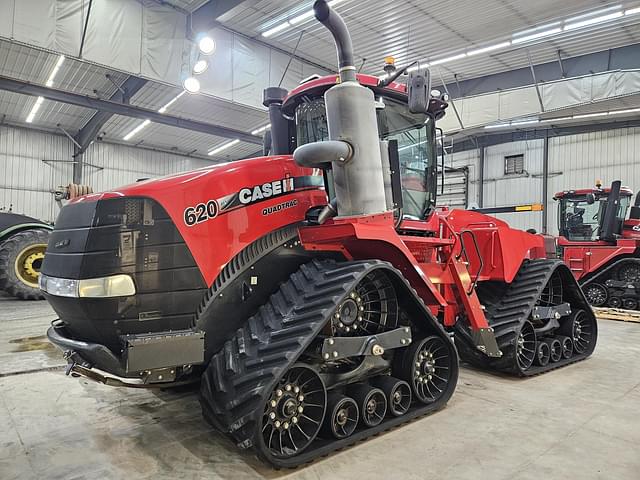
(580, 328)
(21, 257)
(293, 413)
(426, 366)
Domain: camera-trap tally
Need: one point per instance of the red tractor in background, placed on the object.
(600, 245)
(314, 291)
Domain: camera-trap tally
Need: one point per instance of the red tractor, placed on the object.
(600, 245)
(314, 291)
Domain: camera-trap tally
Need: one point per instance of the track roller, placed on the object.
(543, 354)
(342, 416)
(398, 393)
(615, 302)
(372, 403)
(567, 346)
(630, 303)
(555, 347)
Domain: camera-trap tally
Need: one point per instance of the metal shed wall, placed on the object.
(34, 163)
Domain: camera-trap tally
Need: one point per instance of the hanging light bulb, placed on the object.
(207, 45)
(191, 85)
(200, 67)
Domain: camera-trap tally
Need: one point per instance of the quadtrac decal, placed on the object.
(279, 207)
(253, 194)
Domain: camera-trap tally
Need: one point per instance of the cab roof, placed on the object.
(624, 191)
(319, 85)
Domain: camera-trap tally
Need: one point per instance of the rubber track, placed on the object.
(507, 317)
(239, 378)
(607, 274)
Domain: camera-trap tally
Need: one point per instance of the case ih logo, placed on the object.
(251, 195)
(266, 190)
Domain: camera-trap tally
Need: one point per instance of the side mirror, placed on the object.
(591, 199)
(418, 91)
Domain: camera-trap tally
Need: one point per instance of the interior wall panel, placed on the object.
(29, 171)
(501, 189)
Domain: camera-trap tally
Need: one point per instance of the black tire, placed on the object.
(21, 257)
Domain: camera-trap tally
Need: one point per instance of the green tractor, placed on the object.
(23, 241)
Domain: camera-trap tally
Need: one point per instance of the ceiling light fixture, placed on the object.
(592, 21)
(294, 21)
(191, 85)
(593, 13)
(589, 115)
(200, 67)
(632, 11)
(171, 102)
(258, 131)
(448, 59)
(54, 72)
(490, 48)
(34, 109)
(497, 125)
(223, 147)
(619, 112)
(535, 36)
(207, 45)
(136, 130)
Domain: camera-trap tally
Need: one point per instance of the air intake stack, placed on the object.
(353, 149)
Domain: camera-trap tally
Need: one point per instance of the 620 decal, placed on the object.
(201, 213)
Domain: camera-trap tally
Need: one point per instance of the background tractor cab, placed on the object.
(581, 213)
(600, 245)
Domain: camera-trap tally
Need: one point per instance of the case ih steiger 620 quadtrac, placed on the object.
(600, 245)
(315, 291)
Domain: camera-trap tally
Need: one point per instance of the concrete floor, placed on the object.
(581, 422)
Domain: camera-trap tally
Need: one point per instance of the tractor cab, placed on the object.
(410, 136)
(582, 214)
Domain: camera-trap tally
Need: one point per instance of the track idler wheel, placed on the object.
(543, 354)
(580, 328)
(567, 346)
(398, 393)
(372, 403)
(596, 294)
(426, 365)
(294, 412)
(342, 416)
(555, 349)
(526, 346)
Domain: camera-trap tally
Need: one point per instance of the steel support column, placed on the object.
(545, 182)
(481, 178)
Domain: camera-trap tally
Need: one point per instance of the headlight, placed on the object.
(62, 287)
(104, 287)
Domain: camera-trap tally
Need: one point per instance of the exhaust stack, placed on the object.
(354, 148)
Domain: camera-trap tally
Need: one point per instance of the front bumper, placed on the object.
(91, 354)
(148, 360)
